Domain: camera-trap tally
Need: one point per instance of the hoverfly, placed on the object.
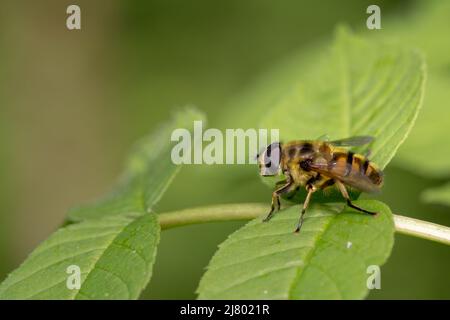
(317, 165)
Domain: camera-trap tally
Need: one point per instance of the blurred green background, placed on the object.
(72, 103)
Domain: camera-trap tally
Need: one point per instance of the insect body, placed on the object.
(317, 165)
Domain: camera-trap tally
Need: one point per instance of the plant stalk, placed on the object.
(247, 211)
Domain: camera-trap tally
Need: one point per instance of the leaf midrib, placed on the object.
(94, 264)
(309, 256)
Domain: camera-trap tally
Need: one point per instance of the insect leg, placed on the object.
(281, 183)
(310, 190)
(276, 197)
(344, 193)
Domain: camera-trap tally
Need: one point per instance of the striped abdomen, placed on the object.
(349, 164)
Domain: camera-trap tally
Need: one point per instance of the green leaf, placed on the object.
(104, 249)
(356, 87)
(328, 259)
(118, 234)
(438, 195)
(147, 175)
(426, 151)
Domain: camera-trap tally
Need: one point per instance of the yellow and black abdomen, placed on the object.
(372, 172)
(347, 163)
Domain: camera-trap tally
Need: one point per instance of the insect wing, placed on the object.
(361, 182)
(357, 179)
(352, 141)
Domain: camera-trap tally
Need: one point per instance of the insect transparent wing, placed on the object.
(352, 141)
(357, 180)
(360, 182)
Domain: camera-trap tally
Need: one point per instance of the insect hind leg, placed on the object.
(344, 193)
(351, 205)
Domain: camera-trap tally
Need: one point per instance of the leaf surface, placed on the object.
(115, 257)
(328, 259)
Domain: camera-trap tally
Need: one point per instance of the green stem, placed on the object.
(221, 212)
(248, 211)
(422, 229)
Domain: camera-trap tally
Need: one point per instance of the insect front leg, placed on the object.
(344, 193)
(276, 197)
(311, 189)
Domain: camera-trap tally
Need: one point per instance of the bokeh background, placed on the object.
(72, 103)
